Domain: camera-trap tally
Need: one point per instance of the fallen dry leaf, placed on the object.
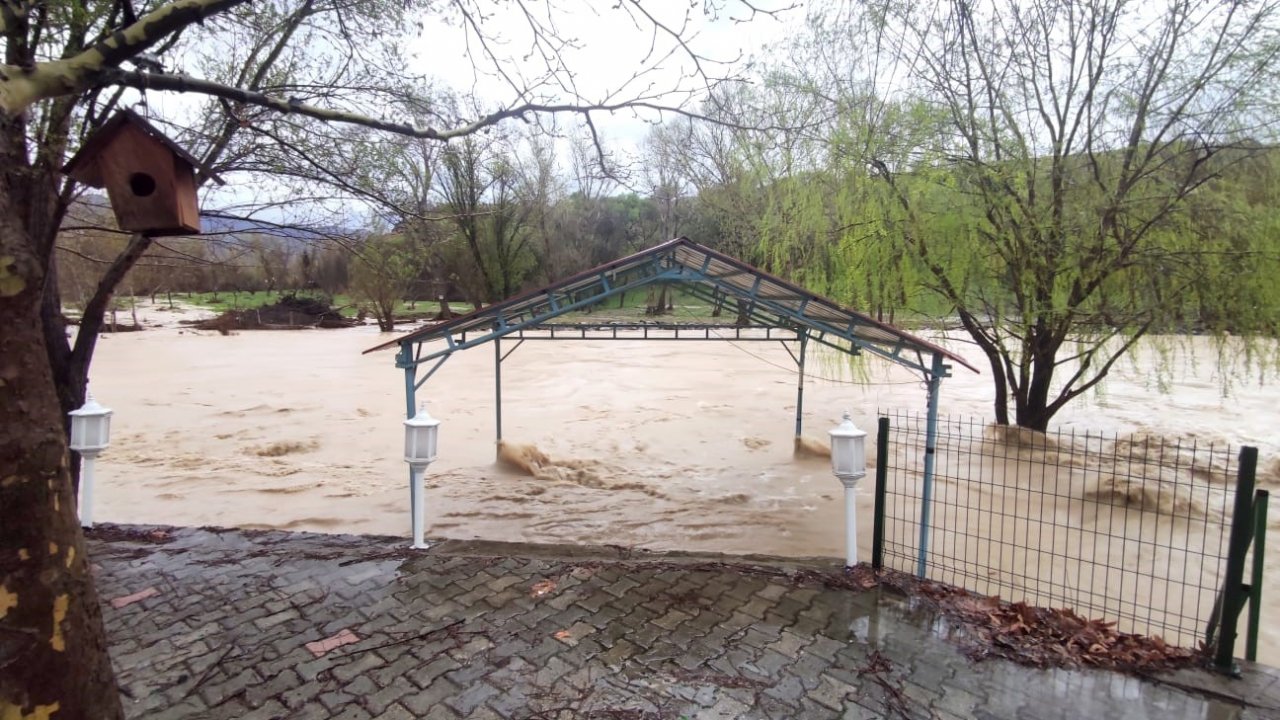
(563, 635)
(542, 588)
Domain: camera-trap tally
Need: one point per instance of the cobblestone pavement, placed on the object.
(232, 624)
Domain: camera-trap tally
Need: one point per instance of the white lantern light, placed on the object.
(90, 435)
(421, 433)
(420, 436)
(90, 427)
(848, 451)
(849, 464)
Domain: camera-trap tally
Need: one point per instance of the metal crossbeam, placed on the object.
(506, 327)
(655, 331)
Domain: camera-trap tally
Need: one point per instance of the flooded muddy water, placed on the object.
(661, 445)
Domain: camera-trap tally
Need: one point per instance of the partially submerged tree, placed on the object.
(65, 67)
(383, 269)
(481, 192)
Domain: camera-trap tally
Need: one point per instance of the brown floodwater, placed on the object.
(660, 445)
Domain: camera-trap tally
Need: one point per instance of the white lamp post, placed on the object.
(421, 433)
(90, 435)
(849, 463)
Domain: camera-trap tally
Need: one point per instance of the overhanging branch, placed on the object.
(185, 83)
(21, 87)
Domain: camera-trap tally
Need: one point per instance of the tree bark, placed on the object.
(53, 652)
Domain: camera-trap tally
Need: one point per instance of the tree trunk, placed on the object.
(53, 650)
(70, 365)
(1032, 411)
(1033, 407)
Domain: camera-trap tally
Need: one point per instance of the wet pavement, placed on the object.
(235, 624)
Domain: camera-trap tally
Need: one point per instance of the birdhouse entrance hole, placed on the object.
(142, 184)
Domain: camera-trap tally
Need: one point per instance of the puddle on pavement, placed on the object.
(896, 622)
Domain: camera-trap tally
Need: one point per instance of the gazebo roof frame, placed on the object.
(771, 303)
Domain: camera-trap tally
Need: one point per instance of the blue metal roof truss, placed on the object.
(700, 272)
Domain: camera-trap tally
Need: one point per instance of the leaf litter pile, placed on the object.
(1038, 636)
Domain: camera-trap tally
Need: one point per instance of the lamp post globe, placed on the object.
(90, 435)
(849, 464)
(848, 451)
(421, 435)
(90, 427)
(421, 438)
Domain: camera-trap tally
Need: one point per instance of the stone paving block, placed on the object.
(219, 692)
(788, 644)
(429, 701)
(770, 663)
(787, 689)
(815, 711)
(351, 712)
(510, 704)
(622, 651)
(336, 699)
(808, 668)
(511, 675)
(622, 587)
(271, 710)
(724, 707)
(671, 619)
(345, 670)
(470, 649)
(466, 702)
(550, 673)
(360, 687)
(301, 695)
(259, 694)
(832, 693)
(310, 670)
(395, 669)
(859, 711)
(467, 674)
(378, 701)
(396, 712)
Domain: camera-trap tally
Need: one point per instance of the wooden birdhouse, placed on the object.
(149, 178)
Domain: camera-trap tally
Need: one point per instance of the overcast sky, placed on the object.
(611, 47)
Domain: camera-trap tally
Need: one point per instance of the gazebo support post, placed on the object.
(497, 391)
(936, 373)
(404, 359)
(804, 341)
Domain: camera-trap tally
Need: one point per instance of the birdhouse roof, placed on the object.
(80, 165)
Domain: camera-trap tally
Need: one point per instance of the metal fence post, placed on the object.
(1234, 597)
(882, 476)
(1260, 500)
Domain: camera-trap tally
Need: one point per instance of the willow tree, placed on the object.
(66, 64)
(1060, 172)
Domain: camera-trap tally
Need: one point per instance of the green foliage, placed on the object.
(384, 267)
(1056, 202)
